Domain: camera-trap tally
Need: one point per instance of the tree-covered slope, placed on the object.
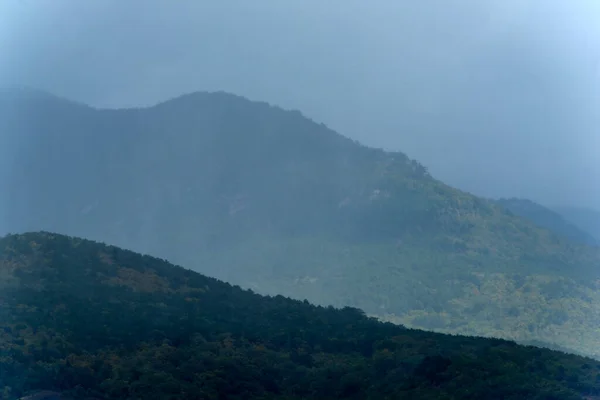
(94, 321)
(268, 199)
(549, 219)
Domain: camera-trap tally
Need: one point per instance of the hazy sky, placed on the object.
(500, 97)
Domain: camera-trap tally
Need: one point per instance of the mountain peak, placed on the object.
(227, 101)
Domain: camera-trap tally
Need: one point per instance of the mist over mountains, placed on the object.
(299, 200)
(507, 86)
(270, 200)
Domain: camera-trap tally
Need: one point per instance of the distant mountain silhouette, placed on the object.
(585, 218)
(549, 219)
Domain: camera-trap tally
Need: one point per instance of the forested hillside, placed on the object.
(270, 200)
(94, 321)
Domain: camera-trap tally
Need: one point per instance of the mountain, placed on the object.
(549, 219)
(268, 199)
(84, 320)
(585, 218)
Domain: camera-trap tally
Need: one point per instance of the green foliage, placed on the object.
(92, 320)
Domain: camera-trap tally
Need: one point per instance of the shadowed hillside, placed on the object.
(94, 321)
